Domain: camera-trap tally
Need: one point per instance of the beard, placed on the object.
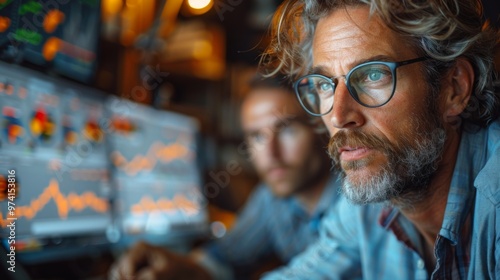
(404, 178)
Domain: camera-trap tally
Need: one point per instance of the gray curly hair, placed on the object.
(440, 29)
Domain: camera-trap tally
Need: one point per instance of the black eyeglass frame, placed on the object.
(391, 65)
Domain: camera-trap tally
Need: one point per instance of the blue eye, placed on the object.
(371, 76)
(374, 76)
(324, 86)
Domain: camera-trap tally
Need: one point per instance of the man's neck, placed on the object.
(427, 215)
(311, 196)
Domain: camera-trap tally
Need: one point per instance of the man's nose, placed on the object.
(346, 112)
(273, 147)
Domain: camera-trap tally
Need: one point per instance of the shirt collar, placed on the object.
(488, 179)
(470, 160)
(329, 195)
(328, 198)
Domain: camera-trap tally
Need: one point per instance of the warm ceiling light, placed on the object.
(111, 8)
(199, 4)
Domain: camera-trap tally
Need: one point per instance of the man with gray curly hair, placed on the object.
(409, 94)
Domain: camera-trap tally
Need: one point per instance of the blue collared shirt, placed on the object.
(269, 226)
(374, 242)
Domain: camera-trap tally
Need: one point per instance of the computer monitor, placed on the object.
(52, 139)
(154, 155)
(58, 35)
(92, 170)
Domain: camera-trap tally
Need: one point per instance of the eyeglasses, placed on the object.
(371, 84)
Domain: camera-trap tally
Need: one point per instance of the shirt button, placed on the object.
(420, 264)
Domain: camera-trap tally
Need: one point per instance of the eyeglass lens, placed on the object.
(370, 84)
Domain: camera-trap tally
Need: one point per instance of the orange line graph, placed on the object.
(64, 204)
(157, 152)
(178, 203)
(3, 222)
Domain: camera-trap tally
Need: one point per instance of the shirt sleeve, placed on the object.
(249, 241)
(335, 255)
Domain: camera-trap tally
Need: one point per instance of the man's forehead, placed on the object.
(353, 36)
(265, 107)
(353, 21)
(270, 101)
(273, 123)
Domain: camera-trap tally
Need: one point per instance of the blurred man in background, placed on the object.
(281, 217)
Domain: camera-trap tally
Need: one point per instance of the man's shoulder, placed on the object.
(352, 218)
(263, 197)
(487, 181)
(261, 193)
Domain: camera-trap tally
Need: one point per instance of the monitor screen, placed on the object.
(57, 35)
(156, 170)
(51, 138)
(93, 170)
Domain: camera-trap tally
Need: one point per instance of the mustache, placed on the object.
(355, 138)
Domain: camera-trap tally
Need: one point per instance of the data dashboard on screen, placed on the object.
(156, 171)
(60, 35)
(93, 171)
(51, 136)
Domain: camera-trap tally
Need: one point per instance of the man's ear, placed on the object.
(458, 89)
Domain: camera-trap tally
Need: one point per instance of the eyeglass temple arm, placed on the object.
(418, 59)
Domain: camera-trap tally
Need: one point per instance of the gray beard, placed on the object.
(405, 179)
